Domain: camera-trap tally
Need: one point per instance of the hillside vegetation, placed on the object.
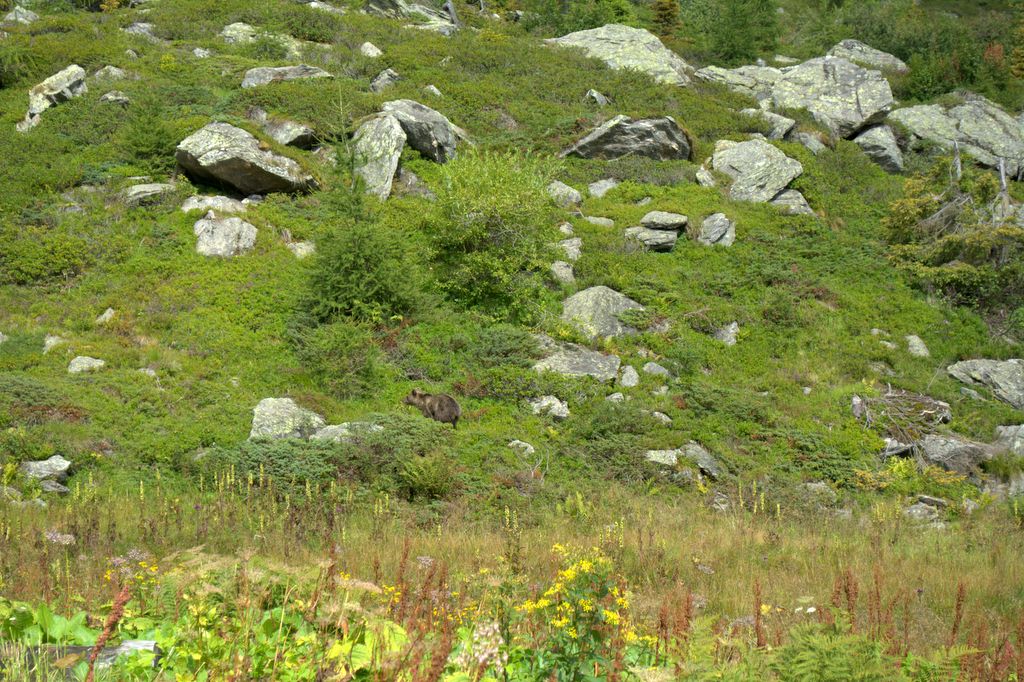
(749, 495)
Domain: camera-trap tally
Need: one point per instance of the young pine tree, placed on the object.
(666, 17)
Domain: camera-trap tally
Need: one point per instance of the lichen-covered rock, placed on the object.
(718, 230)
(629, 377)
(880, 145)
(860, 53)
(53, 469)
(780, 125)
(551, 406)
(224, 237)
(370, 50)
(664, 220)
(635, 49)
(842, 96)
(652, 240)
(563, 272)
(20, 15)
(792, 202)
(264, 75)
(572, 248)
(980, 128)
(759, 170)
(110, 72)
(83, 363)
(282, 418)
(729, 334)
(1011, 438)
(1005, 378)
(223, 153)
(654, 138)
(217, 204)
(428, 131)
(58, 88)
(595, 312)
(564, 195)
(952, 454)
(149, 193)
(116, 97)
(378, 148)
(916, 346)
(811, 141)
(596, 98)
(284, 131)
(384, 80)
(752, 81)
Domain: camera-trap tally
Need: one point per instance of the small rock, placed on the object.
(224, 237)
(655, 369)
(562, 272)
(115, 97)
(661, 220)
(146, 194)
(595, 97)
(370, 50)
(792, 202)
(566, 229)
(812, 142)
(522, 447)
(921, 512)
(282, 418)
(971, 393)
(58, 88)
(717, 230)
(143, 30)
(302, 249)
(432, 90)
(50, 342)
(346, 432)
(652, 240)
(85, 364)
(662, 417)
(384, 79)
(660, 138)
(936, 502)
(600, 222)
(629, 377)
(705, 178)
(54, 488)
(202, 53)
(550, 405)
(573, 360)
(217, 204)
(106, 316)
(573, 248)
(266, 75)
(916, 347)
(601, 187)
(20, 15)
(428, 131)
(729, 334)
(111, 73)
(564, 195)
(615, 398)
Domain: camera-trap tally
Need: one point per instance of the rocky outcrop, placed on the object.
(58, 88)
(1005, 378)
(865, 55)
(572, 360)
(718, 230)
(759, 170)
(427, 131)
(595, 312)
(378, 148)
(843, 97)
(880, 145)
(655, 138)
(977, 125)
(282, 418)
(780, 125)
(400, 9)
(694, 454)
(220, 152)
(752, 81)
(223, 237)
(264, 75)
(635, 49)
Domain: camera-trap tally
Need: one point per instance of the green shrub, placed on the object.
(36, 254)
(559, 16)
(492, 232)
(342, 356)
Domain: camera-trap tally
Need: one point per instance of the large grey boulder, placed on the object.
(841, 96)
(572, 360)
(428, 131)
(980, 128)
(282, 418)
(636, 49)
(53, 469)
(780, 125)
(952, 454)
(759, 170)
(880, 145)
(58, 88)
(861, 53)
(20, 15)
(148, 193)
(654, 138)
(223, 237)
(83, 363)
(223, 153)
(264, 75)
(652, 240)
(752, 81)
(595, 312)
(1011, 438)
(718, 230)
(378, 148)
(1005, 378)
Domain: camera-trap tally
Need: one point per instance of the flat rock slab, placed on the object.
(264, 75)
(634, 49)
(653, 138)
(759, 170)
(663, 220)
(224, 237)
(223, 153)
(283, 418)
(652, 240)
(840, 95)
(378, 149)
(595, 312)
(1005, 378)
(572, 360)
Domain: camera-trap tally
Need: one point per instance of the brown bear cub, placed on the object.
(442, 408)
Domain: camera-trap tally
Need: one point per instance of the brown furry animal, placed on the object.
(442, 408)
